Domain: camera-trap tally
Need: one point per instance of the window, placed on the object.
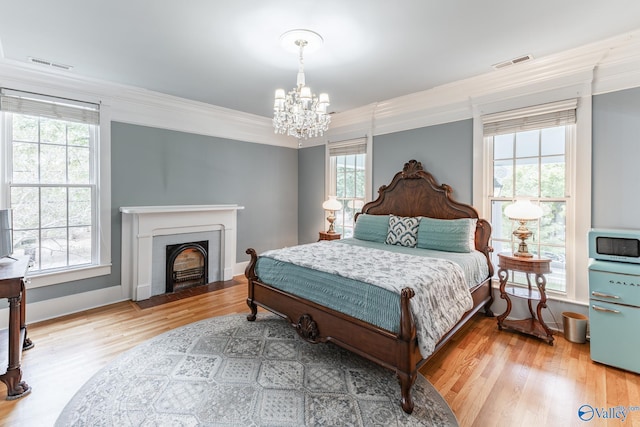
(51, 179)
(348, 180)
(529, 156)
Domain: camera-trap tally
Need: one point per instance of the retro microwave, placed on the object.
(615, 245)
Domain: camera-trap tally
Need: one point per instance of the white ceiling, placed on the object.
(228, 54)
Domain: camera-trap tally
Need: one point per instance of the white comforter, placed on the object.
(441, 293)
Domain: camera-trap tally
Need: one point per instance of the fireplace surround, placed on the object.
(140, 224)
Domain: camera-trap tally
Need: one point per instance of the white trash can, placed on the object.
(575, 327)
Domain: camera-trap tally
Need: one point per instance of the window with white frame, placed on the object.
(50, 179)
(348, 180)
(529, 155)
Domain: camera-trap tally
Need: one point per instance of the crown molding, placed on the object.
(620, 69)
(142, 107)
(147, 108)
(605, 66)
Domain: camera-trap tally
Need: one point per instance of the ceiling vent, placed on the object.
(47, 63)
(513, 61)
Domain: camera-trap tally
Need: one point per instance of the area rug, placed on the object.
(227, 371)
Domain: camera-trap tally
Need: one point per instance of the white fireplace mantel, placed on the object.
(141, 223)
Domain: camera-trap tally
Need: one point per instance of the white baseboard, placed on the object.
(238, 269)
(57, 307)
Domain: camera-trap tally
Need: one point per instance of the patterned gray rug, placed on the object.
(226, 371)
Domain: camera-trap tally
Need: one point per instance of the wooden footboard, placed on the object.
(316, 323)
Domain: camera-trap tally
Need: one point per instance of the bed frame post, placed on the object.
(250, 273)
(406, 369)
(483, 234)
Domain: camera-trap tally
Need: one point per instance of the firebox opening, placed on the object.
(187, 265)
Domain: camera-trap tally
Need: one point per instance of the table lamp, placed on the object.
(331, 205)
(523, 211)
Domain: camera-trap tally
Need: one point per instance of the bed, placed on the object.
(382, 321)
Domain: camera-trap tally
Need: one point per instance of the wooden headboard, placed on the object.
(415, 192)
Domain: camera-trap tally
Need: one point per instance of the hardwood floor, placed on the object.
(488, 377)
(70, 349)
(500, 378)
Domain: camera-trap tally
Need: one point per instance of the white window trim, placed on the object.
(329, 188)
(368, 173)
(103, 208)
(579, 188)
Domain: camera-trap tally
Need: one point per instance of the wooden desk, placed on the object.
(12, 275)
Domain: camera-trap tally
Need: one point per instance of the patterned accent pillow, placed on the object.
(403, 231)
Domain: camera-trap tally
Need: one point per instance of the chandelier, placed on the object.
(300, 113)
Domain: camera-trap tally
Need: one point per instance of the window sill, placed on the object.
(54, 278)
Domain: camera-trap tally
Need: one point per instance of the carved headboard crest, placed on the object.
(411, 169)
(415, 192)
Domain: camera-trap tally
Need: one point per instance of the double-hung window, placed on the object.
(529, 156)
(348, 178)
(51, 180)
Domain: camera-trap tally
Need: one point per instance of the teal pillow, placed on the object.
(403, 231)
(449, 235)
(372, 228)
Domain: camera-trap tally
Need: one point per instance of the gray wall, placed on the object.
(616, 156)
(282, 189)
(151, 166)
(311, 193)
(445, 150)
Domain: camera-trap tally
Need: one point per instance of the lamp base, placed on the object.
(523, 251)
(523, 254)
(523, 234)
(331, 218)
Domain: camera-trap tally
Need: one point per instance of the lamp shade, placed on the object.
(331, 204)
(305, 93)
(523, 210)
(323, 98)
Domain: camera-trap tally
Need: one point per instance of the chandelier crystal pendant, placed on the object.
(300, 113)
